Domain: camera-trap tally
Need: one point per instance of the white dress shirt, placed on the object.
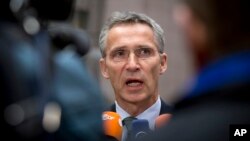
(149, 114)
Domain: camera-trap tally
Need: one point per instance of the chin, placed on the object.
(135, 99)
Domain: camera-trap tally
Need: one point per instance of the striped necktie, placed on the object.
(127, 122)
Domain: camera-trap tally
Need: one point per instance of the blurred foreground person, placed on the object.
(218, 32)
(46, 94)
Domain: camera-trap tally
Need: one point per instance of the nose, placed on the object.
(132, 63)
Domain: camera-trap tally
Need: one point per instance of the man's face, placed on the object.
(133, 63)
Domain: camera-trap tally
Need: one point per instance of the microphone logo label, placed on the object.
(107, 117)
(140, 134)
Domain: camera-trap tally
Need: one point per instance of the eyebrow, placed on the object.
(138, 47)
(118, 48)
(144, 46)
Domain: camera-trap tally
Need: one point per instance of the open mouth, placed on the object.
(134, 83)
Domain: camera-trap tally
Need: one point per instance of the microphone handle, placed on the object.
(110, 138)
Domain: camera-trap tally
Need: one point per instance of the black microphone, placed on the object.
(46, 9)
(63, 34)
(140, 128)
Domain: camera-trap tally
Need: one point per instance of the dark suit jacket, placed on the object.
(165, 108)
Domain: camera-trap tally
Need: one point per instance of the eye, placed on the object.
(118, 55)
(144, 52)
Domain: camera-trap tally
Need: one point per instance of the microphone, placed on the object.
(162, 120)
(64, 34)
(112, 125)
(140, 128)
(45, 9)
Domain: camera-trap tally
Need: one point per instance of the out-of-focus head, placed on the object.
(43, 9)
(131, 18)
(214, 27)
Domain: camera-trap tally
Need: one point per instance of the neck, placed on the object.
(134, 109)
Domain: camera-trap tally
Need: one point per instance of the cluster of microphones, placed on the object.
(113, 127)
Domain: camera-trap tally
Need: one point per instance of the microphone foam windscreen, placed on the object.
(140, 128)
(162, 120)
(112, 124)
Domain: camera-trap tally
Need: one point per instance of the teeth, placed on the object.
(133, 84)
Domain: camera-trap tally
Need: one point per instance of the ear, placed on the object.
(103, 67)
(163, 64)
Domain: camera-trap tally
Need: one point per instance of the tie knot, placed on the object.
(127, 122)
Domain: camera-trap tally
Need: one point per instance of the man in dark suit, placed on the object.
(217, 99)
(133, 58)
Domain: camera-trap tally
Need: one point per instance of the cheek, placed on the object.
(153, 73)
(114, 73)
(155, 67)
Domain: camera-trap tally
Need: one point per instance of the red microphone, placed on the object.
(162, 120)
(112, 125)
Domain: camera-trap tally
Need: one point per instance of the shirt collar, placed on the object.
(149, 114)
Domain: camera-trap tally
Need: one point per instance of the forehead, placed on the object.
(127, 34)
(131, 27)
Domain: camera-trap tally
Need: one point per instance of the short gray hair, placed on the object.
(131, 17)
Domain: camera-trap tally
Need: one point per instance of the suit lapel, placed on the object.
(113, 108)
(165, 108)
